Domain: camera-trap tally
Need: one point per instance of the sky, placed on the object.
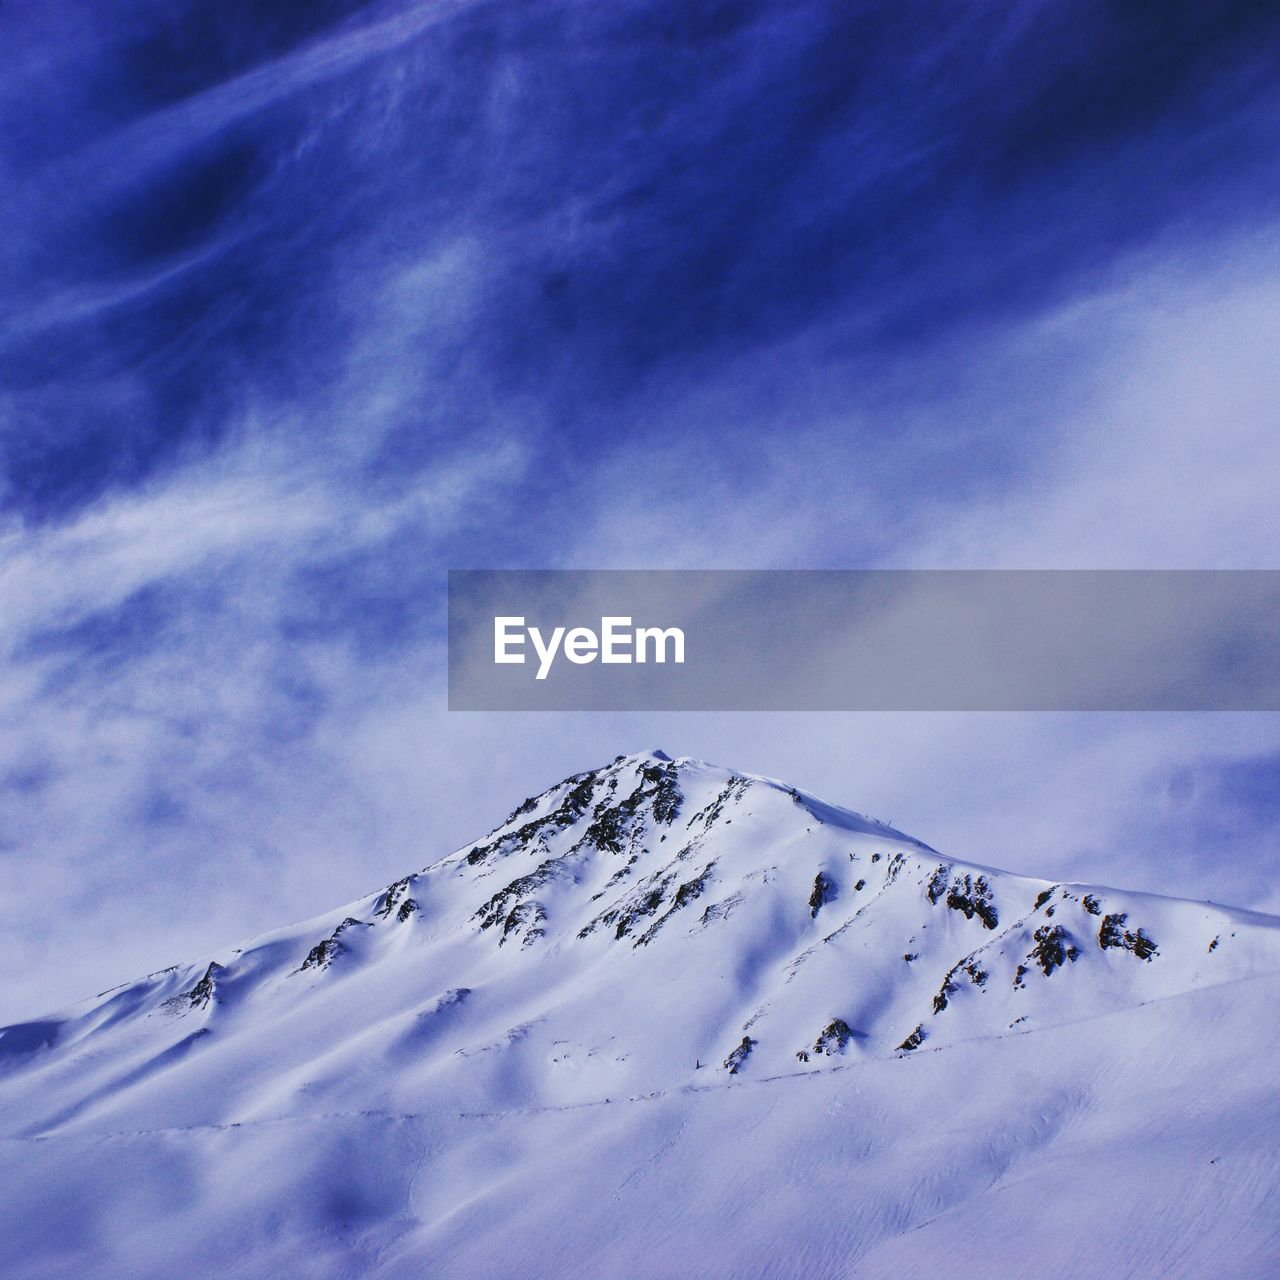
(308, 303)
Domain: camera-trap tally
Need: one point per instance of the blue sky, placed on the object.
(308, 303)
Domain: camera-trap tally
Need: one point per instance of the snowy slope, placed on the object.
(669, 1020)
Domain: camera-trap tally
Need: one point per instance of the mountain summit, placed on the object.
(642, 941)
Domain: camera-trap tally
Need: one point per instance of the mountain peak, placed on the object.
(654, 980)
(617, 933)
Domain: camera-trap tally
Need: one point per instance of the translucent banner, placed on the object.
(874, 640)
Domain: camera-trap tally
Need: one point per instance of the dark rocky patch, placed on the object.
(1092, 905)
(720, 910)
(643, 901)
(692, 889)
(913, 1041)
(734, 1062)
(608, 828)
(205, 991)
(968, 967)
(395, 898)
(621, 874)
(646, 906)
(1112, 935)
(969, 895)
(496, 910)
(824, 891)
(732, 790)
(527, 919)
(649, 897)
(612, 825)
(1053, 948)
(666, 792)
(835, 1035)
(575, 803)
(324, 953)
(1042, 899)
(937, 888)
(896, 863)
(688, 892)
(525, 806)
(454, 996)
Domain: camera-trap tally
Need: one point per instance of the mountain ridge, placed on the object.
(667, 1019)
(831, 956)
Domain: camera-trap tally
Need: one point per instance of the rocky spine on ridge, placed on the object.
(325, 952)
(202, 995)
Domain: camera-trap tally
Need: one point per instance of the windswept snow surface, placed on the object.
(668, 1020)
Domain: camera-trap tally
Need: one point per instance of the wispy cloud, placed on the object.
(308, 309)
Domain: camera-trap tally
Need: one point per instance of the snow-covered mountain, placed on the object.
(669, 1020)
